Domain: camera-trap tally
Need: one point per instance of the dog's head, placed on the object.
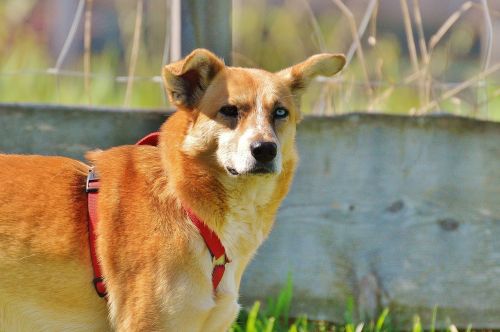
(246, 118)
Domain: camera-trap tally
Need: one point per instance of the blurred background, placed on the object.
(406, 57)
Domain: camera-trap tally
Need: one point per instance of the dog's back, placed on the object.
(44, 258)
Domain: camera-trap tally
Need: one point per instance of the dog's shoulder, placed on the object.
(128, 165)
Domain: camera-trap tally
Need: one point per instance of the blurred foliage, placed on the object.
(25, 57)
(268, 34)
(273, 38)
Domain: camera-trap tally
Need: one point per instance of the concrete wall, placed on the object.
(68, 131)
(387, 210)
(392, 211)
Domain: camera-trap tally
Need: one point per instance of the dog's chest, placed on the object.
(248, 217)
(225, 306)
(243, 232)
(194, 305)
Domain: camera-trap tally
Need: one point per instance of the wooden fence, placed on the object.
(389, 211)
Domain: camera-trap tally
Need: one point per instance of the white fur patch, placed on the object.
(235, 151)
(243, 160)
(199, 137)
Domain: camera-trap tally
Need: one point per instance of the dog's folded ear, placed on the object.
(186, 80)
(299, 76)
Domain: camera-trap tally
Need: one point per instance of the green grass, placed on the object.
(275, 317)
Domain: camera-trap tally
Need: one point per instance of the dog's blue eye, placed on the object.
(280, 113)
(230, 111)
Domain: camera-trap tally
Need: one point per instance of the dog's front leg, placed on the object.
(223, 315)
(170, 306)
(133, 305)
(135, 317)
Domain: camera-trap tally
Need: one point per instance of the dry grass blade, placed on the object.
(322, 102)
(448, 24)
(370, 9)
(483, 93)
(420, 30)
(489, 34)
(493, 12)
(462, 86)
(352, 23)
(166, 47)
(412, 77)
(175, 30)
(315, 26)
(409, 35)
(434, 40)
(382, 97)
(373, 25)
(425, 78)
(69, 38)
(87, 44)
(134, 54)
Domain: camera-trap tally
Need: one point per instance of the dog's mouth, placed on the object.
(256, 170)
(232, 171)
(262, 170)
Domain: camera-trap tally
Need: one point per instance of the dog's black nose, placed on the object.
(263, 152)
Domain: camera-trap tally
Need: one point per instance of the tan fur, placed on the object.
(156, 266)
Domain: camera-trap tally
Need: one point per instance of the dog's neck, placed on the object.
(240, 209)
(189, 179)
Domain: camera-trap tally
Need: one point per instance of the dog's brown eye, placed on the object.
(230, 111)
(280, 113)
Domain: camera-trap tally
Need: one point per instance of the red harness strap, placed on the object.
(212, 241)
(215, 247)
(151, 139)
(92, 189)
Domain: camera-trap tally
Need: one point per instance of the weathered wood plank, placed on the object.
(71, 131)
(390, 210)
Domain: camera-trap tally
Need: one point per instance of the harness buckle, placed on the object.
(221, 261)
(92, 183)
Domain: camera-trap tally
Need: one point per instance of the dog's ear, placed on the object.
(186, 80)
(299, 76)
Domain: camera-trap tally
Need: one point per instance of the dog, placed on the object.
(226, 156)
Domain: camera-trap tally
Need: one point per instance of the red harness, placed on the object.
(212, 241)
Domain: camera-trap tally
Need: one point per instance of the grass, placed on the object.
(275, 317)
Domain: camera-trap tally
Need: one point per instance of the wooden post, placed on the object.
(201, 23)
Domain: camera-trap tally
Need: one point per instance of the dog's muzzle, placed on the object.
(258, 168)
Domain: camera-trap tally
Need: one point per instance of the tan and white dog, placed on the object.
(228, 153)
